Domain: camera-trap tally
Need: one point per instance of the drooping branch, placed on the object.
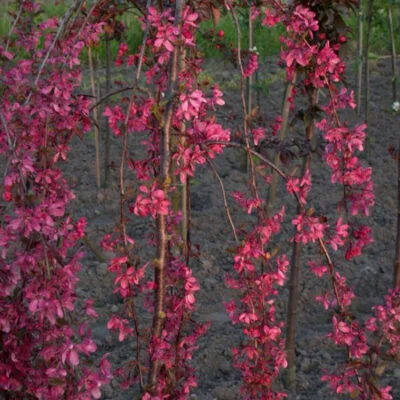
(254, 153)
(228, 213)
(77, 4)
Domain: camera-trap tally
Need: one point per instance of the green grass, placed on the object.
(380, 36)
(266, 40)
(5, 20)
(132, 35)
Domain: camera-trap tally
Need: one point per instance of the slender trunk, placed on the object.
(290, 377)
(246, 139)
(250, 78)
(394, 69)
(396, 275)
(258, 91)
(282, 134)
(367, 71)
(184, 193)
(161, 261)
(249, 82)
(107, 132)
(360, 35)
(96, 120)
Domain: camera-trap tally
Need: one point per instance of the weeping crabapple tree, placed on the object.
(42, 344)
(43, 348)
(186, 135)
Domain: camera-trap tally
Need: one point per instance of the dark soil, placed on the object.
(370, 275)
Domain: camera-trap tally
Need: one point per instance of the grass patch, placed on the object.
(265, 39)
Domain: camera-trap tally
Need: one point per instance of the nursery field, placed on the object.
(369, 275)
(193, 206)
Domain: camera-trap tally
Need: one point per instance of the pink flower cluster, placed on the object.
(42, 354)
(262, 355)
(252, 64)
(193, 123)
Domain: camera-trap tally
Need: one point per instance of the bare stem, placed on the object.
(367, 69)
(110, 94)
(394, 68)
(295, 271)
(125, 130)
(228, 214)
(122, 186)
(96, 119)
(95, 250)
(256, 154)
(64, 21)
(360, 36)
(282, 134)
(14, 25)
(244, 105)
(107, 132)
(396, 277)
(165, 182)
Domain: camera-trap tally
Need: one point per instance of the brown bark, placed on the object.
(165, 182)
(282, 135)
(360, 36)
(396, 274)
(393, 51)
(107, 132)
(96, 120)
(366, 62)
(290, 377)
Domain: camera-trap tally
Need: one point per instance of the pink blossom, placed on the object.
(190, 105)
(252, 65)
(258, 134)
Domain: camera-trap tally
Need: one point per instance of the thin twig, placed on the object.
(95, 250)
(109, 94)
(282, 134)
(125, 130)
(94, 5)
(107, 131)
(133, 312)
(14, 25)
(122, 182)
(12, 146)
(228, 214)
(256, 154)
(96, 118)
(332, 273)
(65, 20)
(244, 105)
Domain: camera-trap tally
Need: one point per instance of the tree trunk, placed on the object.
(360, 61)
(282, 135)
(367, 71)
(396, 274)
(161, 261)
(290, 377)
(394, 69)
(96, 120)
(107, 132)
